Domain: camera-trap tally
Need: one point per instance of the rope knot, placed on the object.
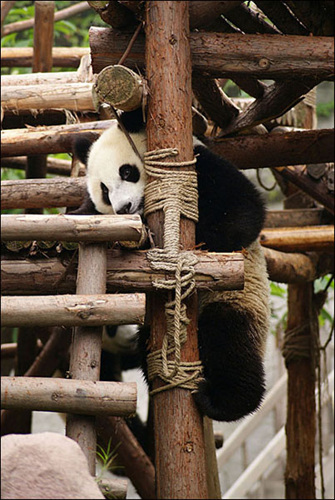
(175, 192)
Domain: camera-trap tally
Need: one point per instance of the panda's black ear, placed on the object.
(133, 120)
(81, 148)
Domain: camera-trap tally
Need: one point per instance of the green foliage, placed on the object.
(107, 457)
(326, 319)
(279, 303)
(277, 290)
(325, 109)
(71, 32)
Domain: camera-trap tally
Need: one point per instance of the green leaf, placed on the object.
(277, 290)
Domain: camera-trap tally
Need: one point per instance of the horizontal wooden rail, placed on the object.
(54, 166)
(226, 55)
(275, 150)
(54, 78)
(285, 267)
(71, 227)
(42, 193)
(62, 57)
(308, 238)
(130, 271)
(72, 96)
(73, 310)
(297, 217)
(45, 140)
(126, 271)
(70, 396)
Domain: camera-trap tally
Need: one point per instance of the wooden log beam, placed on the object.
(43, 117)
(8, 350)
(299, 239)
(213, 100)
(46, 276)
(72, 96)
(126, 272)
(277, 100)
(228, 55)
(120, 87)
(296, 217)
(114, 13)
(73, 310)
(178, 425)
(52, 78)
(55, 166)
(293, 268)
(72, 227)
(289, 148)
(301, 410)
(249, 21)
(317, 17)
(40, 140)
(43, 36)
(65, 395)
(62, 57)
(42, 193)
(317, 189)
(282, 17)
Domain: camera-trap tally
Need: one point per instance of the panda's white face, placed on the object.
(115, 174)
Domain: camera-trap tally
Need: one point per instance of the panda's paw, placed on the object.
(227, 406)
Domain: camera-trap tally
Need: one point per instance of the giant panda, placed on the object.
(232, 325)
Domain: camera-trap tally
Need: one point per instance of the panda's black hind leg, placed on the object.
(234, 382)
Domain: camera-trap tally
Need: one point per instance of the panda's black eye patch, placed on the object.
(129, 173)
(105, 191)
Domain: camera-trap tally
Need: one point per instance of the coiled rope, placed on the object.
(175, 192)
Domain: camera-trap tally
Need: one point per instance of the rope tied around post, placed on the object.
(297, 343)
(175, 192)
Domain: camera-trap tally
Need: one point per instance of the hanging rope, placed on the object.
(175, 192)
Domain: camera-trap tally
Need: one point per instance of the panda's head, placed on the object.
(115, 174)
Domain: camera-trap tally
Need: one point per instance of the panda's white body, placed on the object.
(232, 326)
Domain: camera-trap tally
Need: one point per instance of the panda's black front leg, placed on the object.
(234, 382)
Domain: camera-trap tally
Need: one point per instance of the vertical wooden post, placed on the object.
(42, 61)
(212, 472)
(301, 408)
(301, 421)
(178, 426)
(43, 36)
(86, 345)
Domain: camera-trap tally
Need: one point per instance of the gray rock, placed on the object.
(45, 465)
